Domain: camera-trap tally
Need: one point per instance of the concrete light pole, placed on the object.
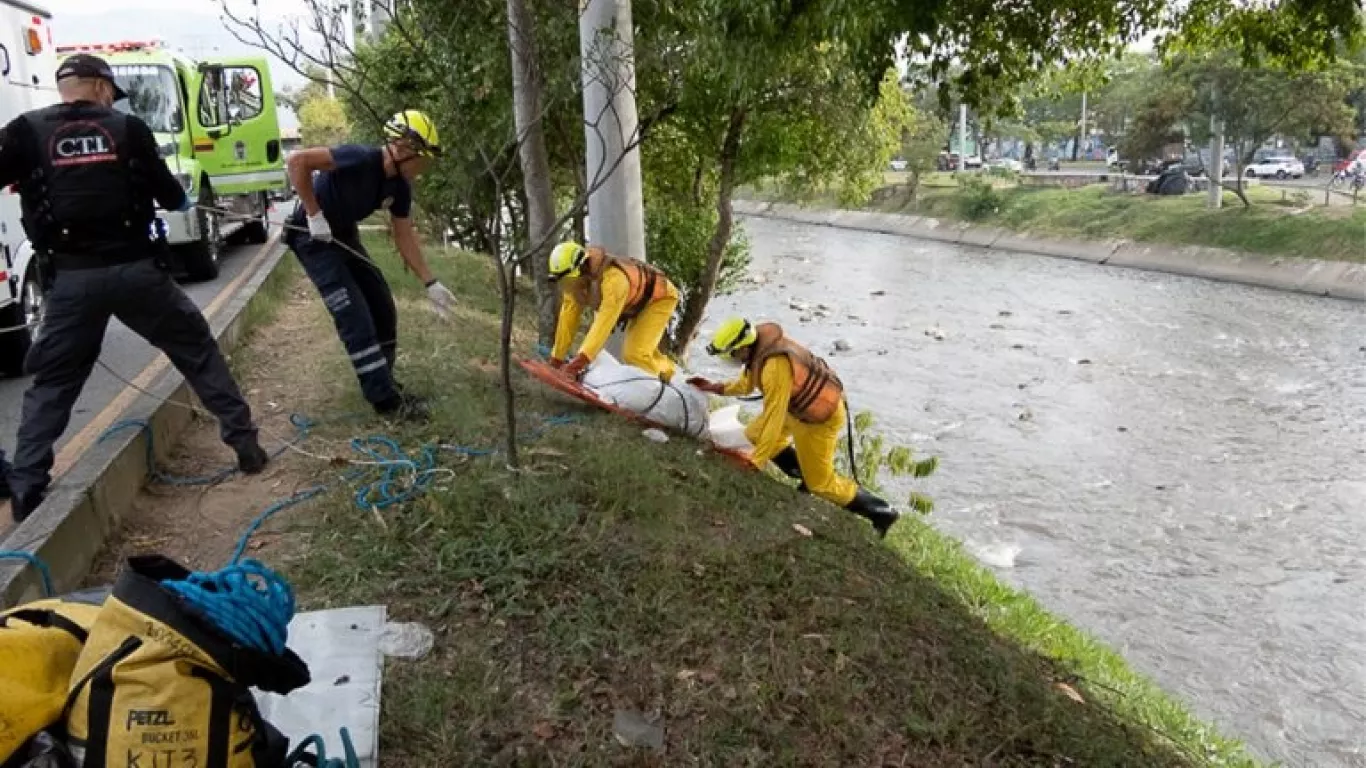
(616, 212)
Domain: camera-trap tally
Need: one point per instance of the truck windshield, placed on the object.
(153, 95)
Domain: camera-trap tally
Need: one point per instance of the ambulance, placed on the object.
(28, 62)
(216, 124)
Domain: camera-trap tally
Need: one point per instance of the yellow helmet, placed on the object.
(418, 128)
(566, 260)
(735, 333)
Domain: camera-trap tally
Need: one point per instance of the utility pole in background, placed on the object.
(1084, 136)
(962, 137)
(616, 211)
(1214, 171)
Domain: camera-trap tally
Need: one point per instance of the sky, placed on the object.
(194, 27)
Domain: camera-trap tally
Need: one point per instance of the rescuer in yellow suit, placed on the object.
(804, 403)
(621, 291)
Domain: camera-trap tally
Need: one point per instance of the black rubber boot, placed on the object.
(23, 505)
(252, 458)
(405, 407)
(4, 480)
(875, 510)
(786, 460)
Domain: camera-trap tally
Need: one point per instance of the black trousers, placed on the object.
(362, 307)
(77, 310)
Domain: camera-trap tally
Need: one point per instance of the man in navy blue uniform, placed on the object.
(89, 178)
(338, 188)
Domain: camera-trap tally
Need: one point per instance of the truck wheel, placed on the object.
(201, 257)
(258, 230)
(27, 310)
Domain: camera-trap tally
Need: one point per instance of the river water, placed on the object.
(1175, 465)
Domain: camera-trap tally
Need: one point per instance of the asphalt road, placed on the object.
(123, 351)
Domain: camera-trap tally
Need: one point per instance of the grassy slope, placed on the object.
(616, 574)
(1269, 227)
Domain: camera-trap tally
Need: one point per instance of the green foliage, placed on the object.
(877, 461)
(1257, 102)
(677, 232)
(322, 122)
(921, 142)
(1156, 123)
(977, 198)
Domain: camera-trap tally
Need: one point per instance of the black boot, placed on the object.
(4, 479)
(22, 505)
(786, 460)
(252, 458)
(875, 510)
(405, 408)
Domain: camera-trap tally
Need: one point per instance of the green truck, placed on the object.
(219, 132)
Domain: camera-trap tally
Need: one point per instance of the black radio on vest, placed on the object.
(87, 193)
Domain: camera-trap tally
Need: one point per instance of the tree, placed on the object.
(322, 122)
(528, 98)
(1257, 103)
(750, 97)
(1157, 122)
(921, 140)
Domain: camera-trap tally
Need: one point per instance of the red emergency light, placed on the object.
(117, 47)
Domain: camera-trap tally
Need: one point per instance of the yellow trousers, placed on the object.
(640, 348)
(816, 445)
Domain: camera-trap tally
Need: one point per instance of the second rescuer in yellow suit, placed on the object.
(619, 290)
(804, 403)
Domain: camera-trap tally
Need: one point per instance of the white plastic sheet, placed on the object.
(341, 648)
(676, 404)
(727, 431)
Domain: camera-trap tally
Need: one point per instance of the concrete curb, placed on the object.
(86, 503)
(1337, 279)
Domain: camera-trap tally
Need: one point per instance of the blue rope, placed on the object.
(302, 424)
(270, 512)
(249, 602)
(36, 562)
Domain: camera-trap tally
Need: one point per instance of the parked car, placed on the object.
(1275, 167)
(948, 161)
(1342, 165)
(1008, 163)
(898, 165)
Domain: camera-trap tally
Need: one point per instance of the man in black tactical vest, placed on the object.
(88, 176)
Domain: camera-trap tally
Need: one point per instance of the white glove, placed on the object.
(319, 229)
(443, 301)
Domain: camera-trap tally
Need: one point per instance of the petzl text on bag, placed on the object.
(39, 645)
(159, 685)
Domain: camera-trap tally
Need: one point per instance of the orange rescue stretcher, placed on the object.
(541, 371)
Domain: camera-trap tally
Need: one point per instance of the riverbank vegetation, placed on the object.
(1283, 222)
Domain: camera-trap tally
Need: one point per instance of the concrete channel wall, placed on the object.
(1337, 279)
(86, 503)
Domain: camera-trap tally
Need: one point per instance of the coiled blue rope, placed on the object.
(37, 562)
(247, 601)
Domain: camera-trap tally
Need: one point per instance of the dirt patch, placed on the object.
(200, 524)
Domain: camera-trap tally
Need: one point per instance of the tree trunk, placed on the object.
(697, 300)
(527, 103)
(1238, 165)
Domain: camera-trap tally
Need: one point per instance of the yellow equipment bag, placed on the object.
(39, 645)
(158, 685)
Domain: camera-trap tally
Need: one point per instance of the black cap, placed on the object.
(85, 65)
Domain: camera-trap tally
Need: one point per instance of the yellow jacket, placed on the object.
(616, 289)
(776, 385)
